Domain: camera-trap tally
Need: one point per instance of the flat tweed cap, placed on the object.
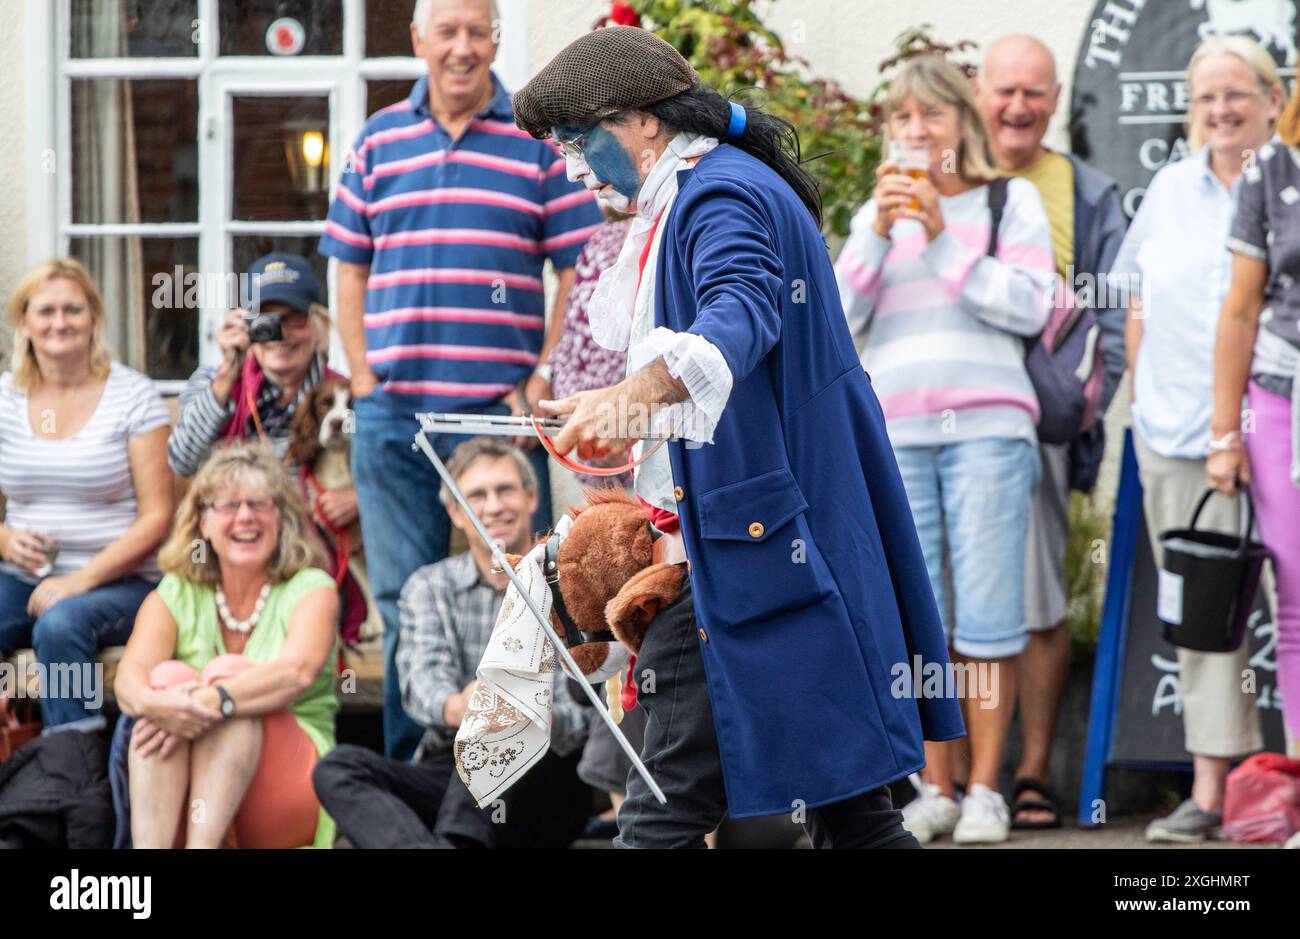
(618, 68)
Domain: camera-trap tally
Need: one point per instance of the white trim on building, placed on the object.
(342, 79)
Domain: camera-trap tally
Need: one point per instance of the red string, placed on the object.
(575, 467)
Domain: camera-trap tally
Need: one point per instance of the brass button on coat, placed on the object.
(678, 493)
(756, 529)
(703, 635)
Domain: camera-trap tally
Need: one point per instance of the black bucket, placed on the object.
(1208, 583)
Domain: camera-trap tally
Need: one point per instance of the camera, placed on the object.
(263, 327)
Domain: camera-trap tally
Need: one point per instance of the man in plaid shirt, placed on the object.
(448, 610)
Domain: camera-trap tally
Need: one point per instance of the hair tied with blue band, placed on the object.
(736, 129)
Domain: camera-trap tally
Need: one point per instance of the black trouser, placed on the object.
(681, 752)
(381, 803)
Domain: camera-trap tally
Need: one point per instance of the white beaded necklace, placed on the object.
(244, 626)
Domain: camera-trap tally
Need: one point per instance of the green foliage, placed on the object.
(1087, 560)
(728, 44)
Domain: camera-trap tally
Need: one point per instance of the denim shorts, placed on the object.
(970, 500)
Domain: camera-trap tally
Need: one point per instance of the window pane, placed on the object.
(134, 28)
(380, 94)
(282, 158)
(134, 150)
(388, 27)
(248, 248)
(316, 26)
(153, 310)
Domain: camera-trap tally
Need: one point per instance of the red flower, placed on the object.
(621, 14)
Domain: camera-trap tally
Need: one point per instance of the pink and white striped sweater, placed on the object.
(943, 322)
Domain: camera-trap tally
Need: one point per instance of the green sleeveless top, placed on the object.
(199, 641)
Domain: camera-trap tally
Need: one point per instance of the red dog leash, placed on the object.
(342, 536)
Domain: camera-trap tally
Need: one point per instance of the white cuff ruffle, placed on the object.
(701, 367)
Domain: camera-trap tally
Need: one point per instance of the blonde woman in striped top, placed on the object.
(943, 325)
(83, 467)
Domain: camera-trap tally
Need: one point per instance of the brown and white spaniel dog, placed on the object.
(320, 445)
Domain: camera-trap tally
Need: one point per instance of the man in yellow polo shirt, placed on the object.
(1018, 92)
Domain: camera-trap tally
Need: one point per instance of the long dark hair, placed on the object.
(773, 140)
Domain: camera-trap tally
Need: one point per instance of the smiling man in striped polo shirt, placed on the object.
(444, 216)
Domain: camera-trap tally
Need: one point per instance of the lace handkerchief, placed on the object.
(507, 724)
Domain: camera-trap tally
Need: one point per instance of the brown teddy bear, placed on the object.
(612, 577)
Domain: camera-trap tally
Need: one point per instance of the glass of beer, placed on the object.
(49, 548)
(912, 160)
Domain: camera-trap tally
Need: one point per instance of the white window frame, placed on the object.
(50, 71)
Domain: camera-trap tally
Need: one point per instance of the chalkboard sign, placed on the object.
(1136, 712)
(1128, 103)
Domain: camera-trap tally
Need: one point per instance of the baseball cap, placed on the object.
(283, 278)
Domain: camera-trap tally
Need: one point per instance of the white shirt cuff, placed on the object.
(700, 367)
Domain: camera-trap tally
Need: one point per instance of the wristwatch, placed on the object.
(227, 702)
(543, 369)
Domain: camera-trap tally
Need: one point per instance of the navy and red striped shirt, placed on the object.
(456, 233)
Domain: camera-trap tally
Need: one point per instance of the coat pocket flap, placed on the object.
(752, 509)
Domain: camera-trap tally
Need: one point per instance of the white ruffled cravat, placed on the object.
(621, 313)
(611, 303)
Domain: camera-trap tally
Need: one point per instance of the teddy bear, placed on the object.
(612, 578)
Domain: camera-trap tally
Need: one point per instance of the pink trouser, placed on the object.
(1277, 507)
(280, 809)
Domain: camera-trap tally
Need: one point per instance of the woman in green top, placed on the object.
(228, 671)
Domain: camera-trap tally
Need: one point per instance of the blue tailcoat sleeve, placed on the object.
(738, 277)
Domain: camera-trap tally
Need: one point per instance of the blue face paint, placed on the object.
(605, 156)
(612, 163)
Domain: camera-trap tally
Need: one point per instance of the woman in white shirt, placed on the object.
(1176, 249)
(83, 468)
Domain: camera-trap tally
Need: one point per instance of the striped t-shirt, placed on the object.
(78, 490)
(456, 233)
(943, 322)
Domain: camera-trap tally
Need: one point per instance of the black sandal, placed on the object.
(1045, 802)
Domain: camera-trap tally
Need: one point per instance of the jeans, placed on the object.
(382, 803)
(681, 753)
(971, 500)
(405, 526)
(66, 639)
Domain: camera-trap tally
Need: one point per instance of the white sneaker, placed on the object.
(985, 818)
(931, 814)
(1293, 841)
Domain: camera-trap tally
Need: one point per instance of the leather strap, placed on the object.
(573, 634)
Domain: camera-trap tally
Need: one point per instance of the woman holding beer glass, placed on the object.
(83, 468)
(943, 325)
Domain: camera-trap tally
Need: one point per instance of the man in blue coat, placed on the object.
(785, 677)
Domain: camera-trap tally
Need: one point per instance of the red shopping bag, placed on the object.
(1262, 801)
